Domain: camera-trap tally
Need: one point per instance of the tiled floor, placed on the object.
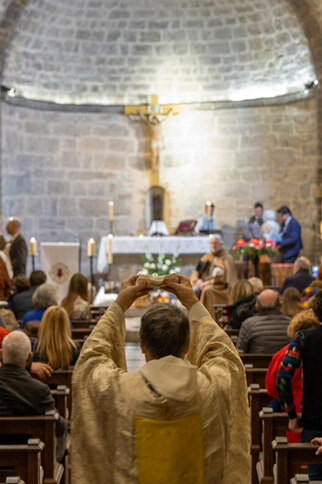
(134, 357)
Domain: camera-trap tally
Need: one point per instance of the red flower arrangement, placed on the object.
(254, 247)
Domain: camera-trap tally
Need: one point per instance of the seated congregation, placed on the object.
(189, 403)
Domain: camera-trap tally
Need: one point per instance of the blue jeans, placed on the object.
(314, 470)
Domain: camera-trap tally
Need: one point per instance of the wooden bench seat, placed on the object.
(258, 398)
(41, 427)
(61, 394)
(83, 323)
(258, 360)
(22, 460)
(62, 378)
(256, 375)
(273, 425)
(292, 459)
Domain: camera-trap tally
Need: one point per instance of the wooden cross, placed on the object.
(154, 114)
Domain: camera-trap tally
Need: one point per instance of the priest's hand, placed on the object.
(40, 370)
(182, 289)
(130, 291)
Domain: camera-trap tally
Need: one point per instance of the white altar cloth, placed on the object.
(139, 245)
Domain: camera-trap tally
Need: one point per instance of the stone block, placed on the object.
(58, 187)
(150, 36)
(141, 50)
(91, 143)
(92, 207)
(67, 207)
(15, 184)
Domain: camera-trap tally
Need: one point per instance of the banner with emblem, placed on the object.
(60, 261)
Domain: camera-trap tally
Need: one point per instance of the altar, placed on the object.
(127, 252)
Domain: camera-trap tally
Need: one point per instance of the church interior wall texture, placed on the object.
(59, 169)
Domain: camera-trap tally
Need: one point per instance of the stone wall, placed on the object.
(107, 52)
(60, 169)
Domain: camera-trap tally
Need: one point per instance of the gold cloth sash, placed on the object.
(170, 451)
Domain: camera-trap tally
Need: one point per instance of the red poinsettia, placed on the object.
(240, 242)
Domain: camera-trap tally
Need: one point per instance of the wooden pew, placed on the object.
(292, 459)
(64, 378)
(258, 360)
(61, 394)
(41, 427)
(256, 375)
(83, 323)
(273, 424)
(81, 333)
(22, 460)
(258, 398)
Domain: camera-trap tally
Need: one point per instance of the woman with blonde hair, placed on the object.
(243, 300)
(54, 344)
(291, 302)
(76, 301)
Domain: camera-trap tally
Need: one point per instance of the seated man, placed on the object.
(266, 332)
(20, 394)
(301, 277)
(214, 276)
(179, 418)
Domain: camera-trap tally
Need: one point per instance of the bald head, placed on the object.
(16, 349)
(13, 226)
(267, 299)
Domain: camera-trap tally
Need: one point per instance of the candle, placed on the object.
(110, 209)
(208, 209)
(91, 247)
(110, 251)
(321, 229)
(33, 246)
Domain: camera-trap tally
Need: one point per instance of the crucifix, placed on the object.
(154, 115)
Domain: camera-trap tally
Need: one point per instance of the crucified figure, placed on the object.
(154, 124)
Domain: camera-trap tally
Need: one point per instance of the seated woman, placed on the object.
(291, 302)
(76, 302)
(44, 296)
(54, 344)
(244, 301)
(302, 320)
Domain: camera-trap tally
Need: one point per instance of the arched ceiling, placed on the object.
(119, 51)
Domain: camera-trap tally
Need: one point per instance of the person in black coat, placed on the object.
(20, 394)
(18, 248)
(301, 277)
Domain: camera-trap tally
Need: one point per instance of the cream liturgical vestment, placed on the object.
(173, 421)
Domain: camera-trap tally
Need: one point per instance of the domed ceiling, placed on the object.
(118, 52)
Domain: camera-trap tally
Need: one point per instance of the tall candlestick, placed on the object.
(110, 250)
(321, 229)
(208, 209)
(110, 210)
(33, 246)
(91, 248)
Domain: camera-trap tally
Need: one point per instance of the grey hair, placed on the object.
(303, 263)
(16, 347)
(44, 296)
(216, 236)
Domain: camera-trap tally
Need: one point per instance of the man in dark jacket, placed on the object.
(266, 331)
(18, 247)
(290, 240)
(301, 277)
(20, 394)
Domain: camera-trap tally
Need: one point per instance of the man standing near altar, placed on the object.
(289, 240)
(18, 248)
(214, 276)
